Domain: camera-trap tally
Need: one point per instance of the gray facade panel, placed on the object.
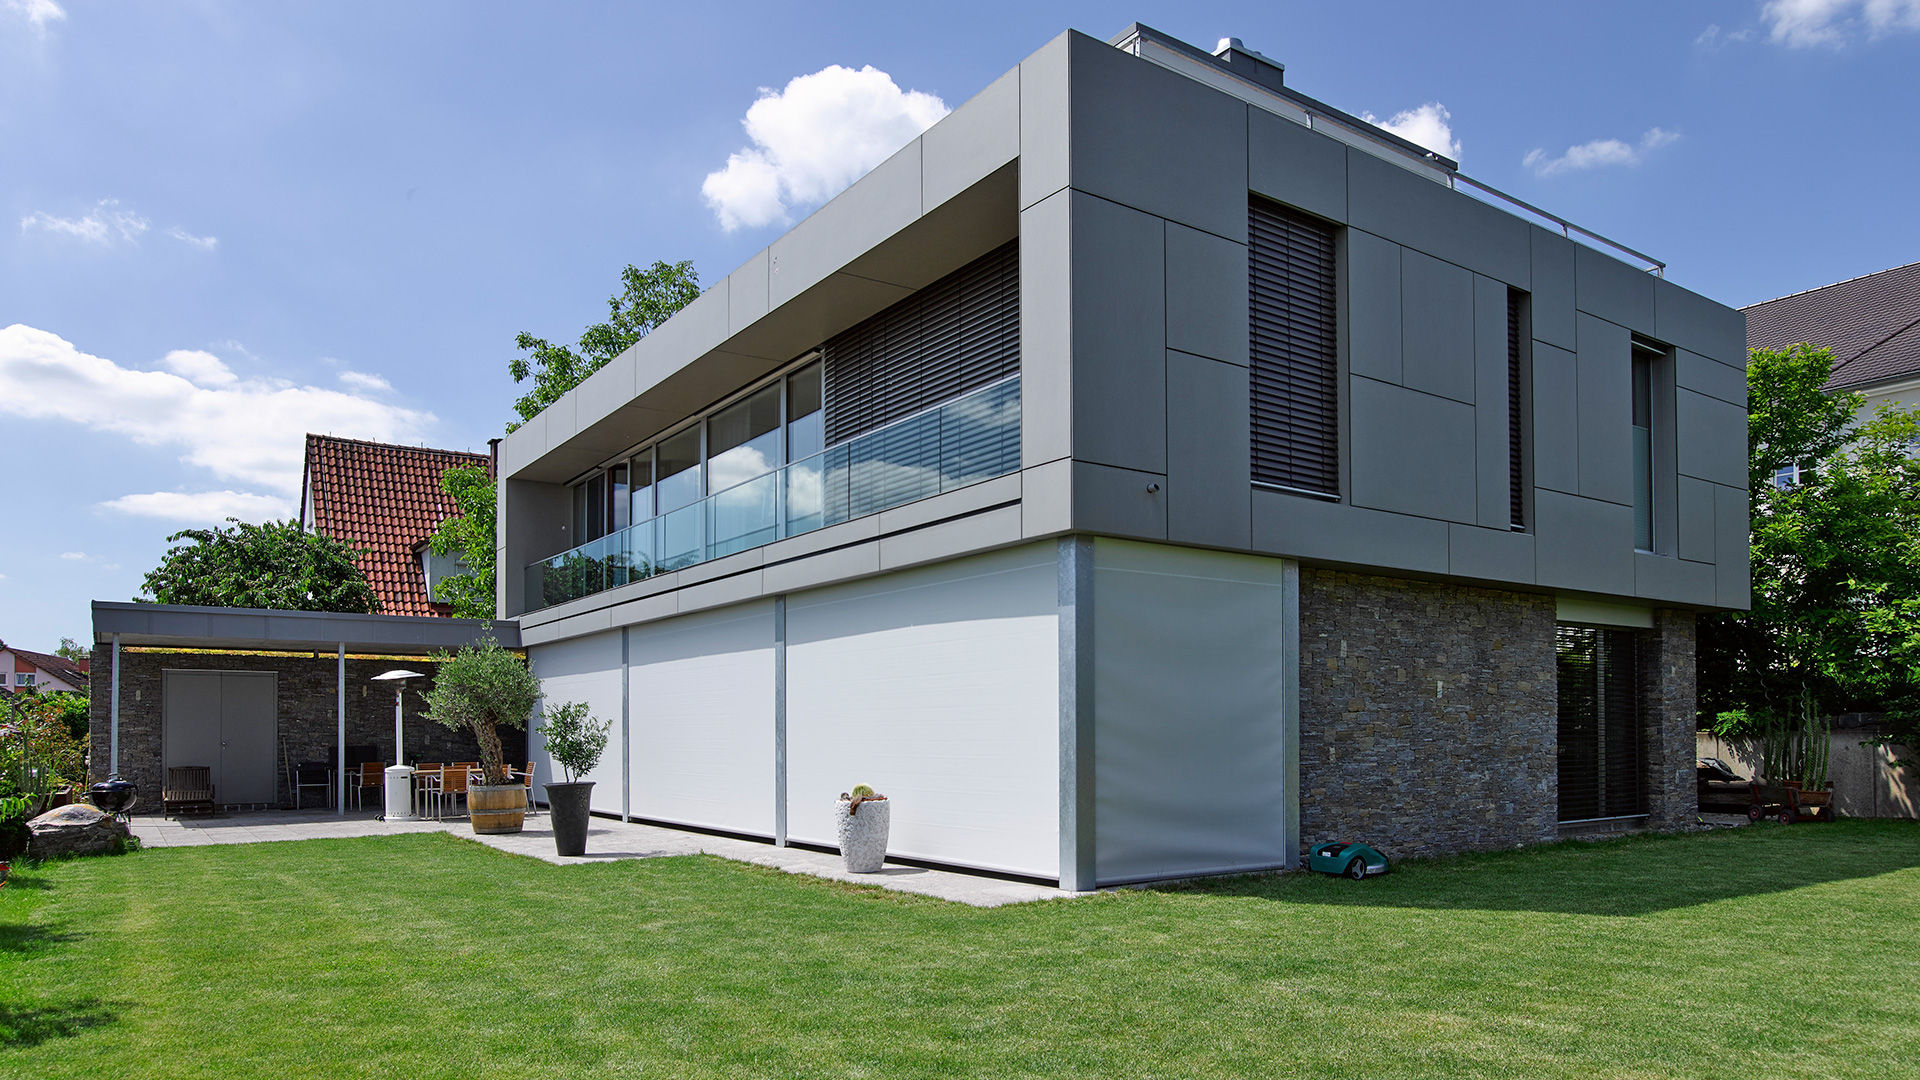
(1412, 453)
(1584, 544)
(1389, 201)
(1556, 419)
(1046, 498)
(1119, 502)
(1604, 361)
(1491, 421)
(1710, 377)
(1157, 141)
(1733, 576)
(1696, 520)
(1693, 322)
(1206, 299)
(1044, 141)
(605, 391)
(880, 204)
(747, 293)
(1306, 528)
(1046, 330)
(822, 569)
(1673, 581)
(1295, 165)
(1119, 336)
(1490, 554)
(950, 539)
(1208, 467)
(1436, 327)
(1609, 288)
(1373, 306)
(972, 141)
(1712, 438)
(1551, 305)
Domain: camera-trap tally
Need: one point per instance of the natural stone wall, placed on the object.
(1428, 714)
(1668, 711)
(306, 714)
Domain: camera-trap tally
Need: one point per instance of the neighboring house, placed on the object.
(1145, 472)
(1871, 323)
(45, 672)
(385, 500)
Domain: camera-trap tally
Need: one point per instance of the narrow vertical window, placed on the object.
(1294, 375)
(1516, 410)
(1644, 357)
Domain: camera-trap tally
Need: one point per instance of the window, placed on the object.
(1294, 373)
(23, 678)
(743, 440)
(1516, 410)
(1602, 760)
(1789, 476)
(1645, 356)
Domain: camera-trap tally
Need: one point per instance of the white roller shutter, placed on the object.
(581, 669)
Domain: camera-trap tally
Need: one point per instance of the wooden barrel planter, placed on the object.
(497, 809)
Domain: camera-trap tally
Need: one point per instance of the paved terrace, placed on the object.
(607, 840)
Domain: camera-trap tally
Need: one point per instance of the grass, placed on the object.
(1767, 952)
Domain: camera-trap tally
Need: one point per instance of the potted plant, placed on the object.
(575, 741)
(861, 817)
(481, 688)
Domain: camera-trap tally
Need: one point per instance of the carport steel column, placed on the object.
(340, 743)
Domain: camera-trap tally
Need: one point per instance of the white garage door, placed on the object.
(700, 715)
(940, 687)
(582, 669)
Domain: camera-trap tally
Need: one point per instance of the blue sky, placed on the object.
(225, 224)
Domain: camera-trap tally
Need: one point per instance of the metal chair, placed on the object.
(367, 774)
(453, 784)
(316, 775)
(528, 778)
(426, 787)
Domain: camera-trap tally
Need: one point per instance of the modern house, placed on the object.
(21, 669)
(1146, 471)
(386, 501)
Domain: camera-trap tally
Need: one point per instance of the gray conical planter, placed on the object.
(863, 834)
(567, 809)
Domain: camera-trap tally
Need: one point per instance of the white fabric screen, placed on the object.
(1189, 712)
(581, 669)
(701, 717)
(940, 687)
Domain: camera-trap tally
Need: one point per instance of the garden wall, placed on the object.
(1867, 780)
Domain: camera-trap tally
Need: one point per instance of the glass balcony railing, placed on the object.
(972, 438)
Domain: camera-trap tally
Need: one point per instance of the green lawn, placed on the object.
(1767, 952)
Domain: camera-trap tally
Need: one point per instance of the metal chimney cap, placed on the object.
(1229, 43)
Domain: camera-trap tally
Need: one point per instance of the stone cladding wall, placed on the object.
(1669, 711)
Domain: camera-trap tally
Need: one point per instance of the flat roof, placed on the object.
(185, 626)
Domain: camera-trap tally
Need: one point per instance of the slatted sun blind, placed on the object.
(1295, 431)
(1515, 410)
(1602, 757)
(955, 335)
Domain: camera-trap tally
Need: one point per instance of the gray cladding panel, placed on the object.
(1609, 288)
(1552, 300)
(1291, 164)
(1492, 452)
(1490, 554)
(1307, 528)
(1044, 143)
(1157, 141)
(1712, 438)
(1373, 306)
(972, 141)
(1711, 377)
(1436, 325)
(1583, 544)
(1411, 452)
(1206, 295)
(1119, 335)
(1696, 520)
(1605, 365)
(1556, 419)
(1208, 470)
(1691, 321)
(1733, 576)
(878, 205)
(1389, 201)
(1676, 581)
(747, 293)
(1046, 330)
(1119, 502)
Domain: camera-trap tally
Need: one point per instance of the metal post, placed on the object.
(341, 745)
(113, 752)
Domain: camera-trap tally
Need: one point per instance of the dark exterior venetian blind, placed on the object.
(1516, 467)
(1295, 432)
(1602, 759)
(955, 335)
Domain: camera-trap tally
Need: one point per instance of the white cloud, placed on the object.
(37, 12)
(76, 556)
(105, 224)
(202, 507)
(1599, 153)
(365, 383)
(1712, 38)
(244, 430)
(813, 138)
(1430, 125)
(1801, 24)
(204, 243)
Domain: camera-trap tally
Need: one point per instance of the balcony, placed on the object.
(971, 438)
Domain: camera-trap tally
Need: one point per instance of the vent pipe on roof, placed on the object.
(1250, 64)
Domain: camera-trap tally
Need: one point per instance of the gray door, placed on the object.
(226, 721)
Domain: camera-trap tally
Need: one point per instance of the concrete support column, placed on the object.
(1076, 713)
(780, 721)
(1667, 702)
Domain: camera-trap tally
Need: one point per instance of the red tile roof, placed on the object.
(385, 500)
(1871, 323)
(58, 666)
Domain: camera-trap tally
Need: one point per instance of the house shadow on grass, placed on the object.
(23, 1026)
(1634, 875)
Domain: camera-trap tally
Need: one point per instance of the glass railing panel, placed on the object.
(803, 495)
(680, 537)
(980, 435)
(894, 465)
(743, 516)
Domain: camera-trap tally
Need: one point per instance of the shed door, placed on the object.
(224, 720)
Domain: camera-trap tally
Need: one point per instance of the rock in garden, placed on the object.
(74, 830)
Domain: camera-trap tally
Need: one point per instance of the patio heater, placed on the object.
(399, 774)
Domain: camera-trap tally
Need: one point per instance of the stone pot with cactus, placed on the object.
(861, 819)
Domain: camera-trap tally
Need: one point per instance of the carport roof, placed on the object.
(181, 626)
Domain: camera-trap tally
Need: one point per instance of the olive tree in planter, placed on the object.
(861, 817)
(575, 741)
(481, 688)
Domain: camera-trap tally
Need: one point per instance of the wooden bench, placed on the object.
(189, 787)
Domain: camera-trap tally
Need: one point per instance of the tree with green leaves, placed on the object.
(1835, 621)
(647, 298)
(482, 688)
(469, 534)
(276, 564)
(69, 649)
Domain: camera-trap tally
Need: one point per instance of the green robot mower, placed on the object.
(1344, 859)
